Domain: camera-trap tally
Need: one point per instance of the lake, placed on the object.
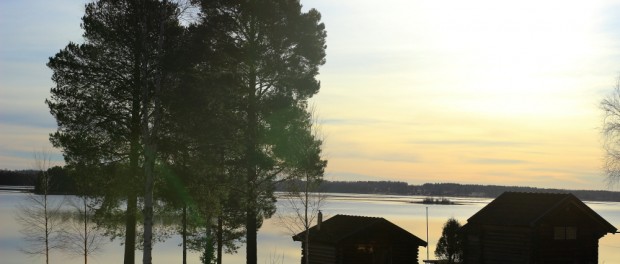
(275, 243)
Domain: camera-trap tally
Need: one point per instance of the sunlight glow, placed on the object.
(421, 91)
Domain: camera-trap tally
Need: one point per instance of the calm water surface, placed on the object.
(275, 243)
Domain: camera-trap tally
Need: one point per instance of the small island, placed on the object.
(431, 200)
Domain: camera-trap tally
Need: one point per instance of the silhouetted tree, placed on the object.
(39, 215)
(80, 235)
(303, 198)
(274, 50)
(611, 134)
(450, 244)
(201, 143)
(104, 98)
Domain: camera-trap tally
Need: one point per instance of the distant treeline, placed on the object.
(377, 187)
(61, 183)
(451, 189)
(18, 177)
(492, 191)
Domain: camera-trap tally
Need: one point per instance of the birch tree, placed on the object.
(610, 106)
(80, 235)
(39, 213)
(303, 198)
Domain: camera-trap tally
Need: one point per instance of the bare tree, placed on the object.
(39, 215)
(303, 199)
(80, 235)
(302, 210)
(611, 135)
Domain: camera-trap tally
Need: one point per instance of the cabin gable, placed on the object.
(559, 228)
(361, 240)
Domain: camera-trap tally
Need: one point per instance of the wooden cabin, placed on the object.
(534, 228)
(346, 239)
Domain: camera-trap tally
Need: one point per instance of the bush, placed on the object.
(450, 244)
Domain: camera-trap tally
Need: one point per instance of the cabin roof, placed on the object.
(527, 209)
(340, 227)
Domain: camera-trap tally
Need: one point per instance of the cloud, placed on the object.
(18, 144)
(348, 176)
(385, 157)
(497, 161)
(16, 159)
(478, 143)
(28, 118)
(29, 155)
(342, 121)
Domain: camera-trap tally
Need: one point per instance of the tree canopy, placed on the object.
(274, 51)
(206, 117)
(102, 99)
(450, 244)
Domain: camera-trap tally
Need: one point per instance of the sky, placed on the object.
(480, 92)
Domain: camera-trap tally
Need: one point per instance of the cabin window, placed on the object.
(571, 232)
(365, 248)
(564, 233)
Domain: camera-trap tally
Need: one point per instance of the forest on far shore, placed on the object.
(455, 190)
(63, 184)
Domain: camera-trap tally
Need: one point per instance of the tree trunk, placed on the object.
(132, 199)
(251, 247)
(306, 222)
(148, 207)
(252, 164)
(150, 135)
(220, 239)
(184, 235)
(85, 204)
(46, 215)
(135, 146)
(130, 229)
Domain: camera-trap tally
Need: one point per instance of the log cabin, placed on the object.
(358, 239)
(534, 228)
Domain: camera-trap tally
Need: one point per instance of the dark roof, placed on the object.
(526, 209)
(340, 227)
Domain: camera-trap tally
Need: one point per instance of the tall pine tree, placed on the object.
(104, 96)
(275, 50)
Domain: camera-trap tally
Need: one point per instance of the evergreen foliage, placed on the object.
(103, 98)
(272, 51)
(205, 117)
(450, 244)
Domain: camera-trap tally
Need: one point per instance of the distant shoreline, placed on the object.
(18, 181)
(16, 188)
(452, 190)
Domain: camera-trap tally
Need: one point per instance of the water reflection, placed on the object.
(277, 246)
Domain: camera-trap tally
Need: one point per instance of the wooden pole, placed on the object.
(427, 244)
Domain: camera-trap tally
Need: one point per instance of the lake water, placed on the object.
(275, 243)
